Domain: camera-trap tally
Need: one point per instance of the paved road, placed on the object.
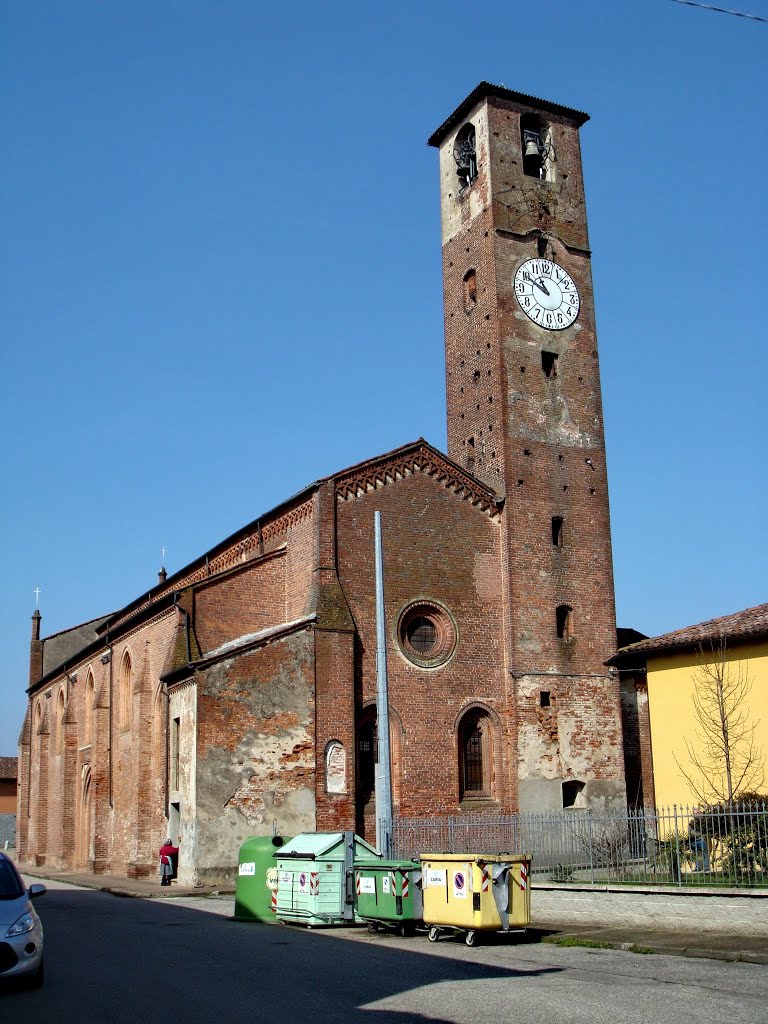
(113, 960)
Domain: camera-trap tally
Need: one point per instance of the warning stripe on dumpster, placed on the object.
(405, 884)
(357, 882)
(486, 879)
(314, 883)
(523, 875)
(273, 907)
(393, 882)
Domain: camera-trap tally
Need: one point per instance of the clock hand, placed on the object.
(542, 287)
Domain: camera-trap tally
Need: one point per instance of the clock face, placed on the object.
(547, 294)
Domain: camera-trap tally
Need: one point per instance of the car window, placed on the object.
(11, 886)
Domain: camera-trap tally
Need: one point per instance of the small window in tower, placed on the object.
(572, 790)
(549, 364)
(470, 291)
(465, 155)
(564, 621)
(557, 531)
(544, 699)
(538, 151)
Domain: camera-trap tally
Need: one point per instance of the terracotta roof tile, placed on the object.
(9, 767)
(752, 622)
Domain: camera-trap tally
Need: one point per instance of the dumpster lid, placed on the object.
(311, 845)
(388, 865)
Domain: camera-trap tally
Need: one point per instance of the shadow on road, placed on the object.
(111, 959)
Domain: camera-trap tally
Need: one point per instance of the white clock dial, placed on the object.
(546, 293)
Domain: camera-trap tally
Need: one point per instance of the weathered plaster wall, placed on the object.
(255, 753)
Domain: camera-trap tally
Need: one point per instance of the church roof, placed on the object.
(416, 456)
(750, 624)
(9, 768)
(484, 89)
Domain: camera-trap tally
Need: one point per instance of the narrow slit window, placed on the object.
(175, 760)
(557, 531)
(544, 699)
(470, 290)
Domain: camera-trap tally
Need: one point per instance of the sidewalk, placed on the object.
(141, 888)
(705, 945)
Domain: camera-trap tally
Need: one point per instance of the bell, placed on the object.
(531, 148)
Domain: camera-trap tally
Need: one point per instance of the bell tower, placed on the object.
(525, 416)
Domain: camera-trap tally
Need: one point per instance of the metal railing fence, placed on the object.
(723, 845)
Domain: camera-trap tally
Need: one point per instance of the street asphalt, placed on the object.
(715, 946)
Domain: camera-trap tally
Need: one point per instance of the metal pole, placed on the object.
(383, 769)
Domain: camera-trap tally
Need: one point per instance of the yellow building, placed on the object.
(691, 675)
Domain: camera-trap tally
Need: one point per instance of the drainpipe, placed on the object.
(108, 653)
(383, 767)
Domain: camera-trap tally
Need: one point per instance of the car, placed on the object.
(21, 932)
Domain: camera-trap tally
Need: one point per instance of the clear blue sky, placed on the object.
(220, 276)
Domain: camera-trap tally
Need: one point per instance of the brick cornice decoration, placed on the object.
(424, 459)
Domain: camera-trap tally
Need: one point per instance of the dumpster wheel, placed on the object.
(434, 934)
(471, 938)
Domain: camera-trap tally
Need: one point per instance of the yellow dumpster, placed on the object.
(471, 893)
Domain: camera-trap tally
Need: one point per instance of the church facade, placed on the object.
(239, 695)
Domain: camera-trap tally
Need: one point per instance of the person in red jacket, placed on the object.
(169, 855)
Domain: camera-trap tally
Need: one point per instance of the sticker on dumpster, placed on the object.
(285, 877)
(385, 885)
(459, 884)
(303, 882)
(367, 885)
(248, 868)
(272, 878)
(434, 877)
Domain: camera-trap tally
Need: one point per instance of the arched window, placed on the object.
(564, 621)
(60, 710)
(538, 151)
(124, 692)
(88, 709)
(465, 155)
(367, 740)
(475, 755)
(335, 767)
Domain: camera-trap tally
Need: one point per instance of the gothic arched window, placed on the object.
(475, 755)
(60, 711)
(124, 692)
(88, 709)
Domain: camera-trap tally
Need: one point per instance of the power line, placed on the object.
(721, 10)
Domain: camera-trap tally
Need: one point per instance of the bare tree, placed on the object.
(724, 759)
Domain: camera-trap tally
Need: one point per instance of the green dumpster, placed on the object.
(389, 894)
(256, 889)
(315, 877)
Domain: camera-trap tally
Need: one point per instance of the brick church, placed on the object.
(240, 693)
